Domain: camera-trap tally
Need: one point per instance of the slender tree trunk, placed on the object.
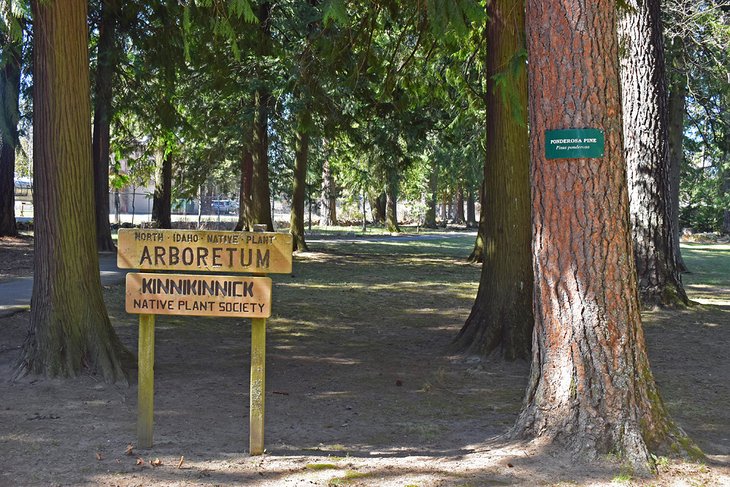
(329, 194)
(106, 59)
(591, 391)
(644, 92)
(245, 219)
(501, 317)
(391, 209)
(162, 198)
(471, 214)
(299, 191)
(726, 194)
(677, 95)
(459, 213)
(477, 254)
(444, 209)
(70, 330)
(430, 219)
(10, 113)
(260, 191)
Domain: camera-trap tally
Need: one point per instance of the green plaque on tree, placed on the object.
(574, 144)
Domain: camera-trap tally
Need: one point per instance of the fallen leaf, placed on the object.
(140, 461)
(510, 465)
(130, 450)
(156, 462)
(98, 456)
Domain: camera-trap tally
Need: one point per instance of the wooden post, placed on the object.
(257, 390)
(145, 380)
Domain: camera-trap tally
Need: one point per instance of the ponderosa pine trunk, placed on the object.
(501, 317)
(245, 219)
(106, 59)
(70, 330)
(10, 113)
(646, 121)
(391, 209)
(299, 188)
(329, 195)
(591, 391)
(260, 191)
(162, 197)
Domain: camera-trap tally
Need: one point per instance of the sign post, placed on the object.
(145, 380)
(257, 391)
(150, 294)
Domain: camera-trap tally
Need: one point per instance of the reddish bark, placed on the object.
(591, 390)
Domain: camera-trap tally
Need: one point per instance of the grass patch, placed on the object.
(321, 466)
(349, 477)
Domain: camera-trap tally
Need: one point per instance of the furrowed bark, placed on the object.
(301, 153)
(591, 391)
(501, 317)
(70, 330)
(10, 113)
(646, 122)
(106, 59)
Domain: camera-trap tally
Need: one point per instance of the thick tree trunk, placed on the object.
(260, 191)
(429, 220)
(644, 92)
(329, 195)
(70, 329)
(299, 189)
(106, 59)
(162, 198)
(245, 211)
(677, 95)
(378, 205)
(501, 317)
(477, 254)
(591, 390)
(391, 209)
(459, 213)
(10, 91)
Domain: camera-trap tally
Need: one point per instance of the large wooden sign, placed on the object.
(196, 295)
(151, 294)
(194, 250)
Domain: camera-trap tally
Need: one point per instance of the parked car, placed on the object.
(224, 206)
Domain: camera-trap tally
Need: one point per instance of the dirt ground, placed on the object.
(361, 390)
(16, 257)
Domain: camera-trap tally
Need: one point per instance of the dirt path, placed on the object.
(361, 390)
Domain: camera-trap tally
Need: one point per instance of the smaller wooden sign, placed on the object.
(574, 144)
(198, 295)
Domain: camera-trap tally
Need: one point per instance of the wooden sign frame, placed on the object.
(240, 296)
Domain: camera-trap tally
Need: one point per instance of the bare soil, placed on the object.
(16, 257)
(361, 390)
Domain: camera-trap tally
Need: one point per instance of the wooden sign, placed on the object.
(198, 295)
(196, 250)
